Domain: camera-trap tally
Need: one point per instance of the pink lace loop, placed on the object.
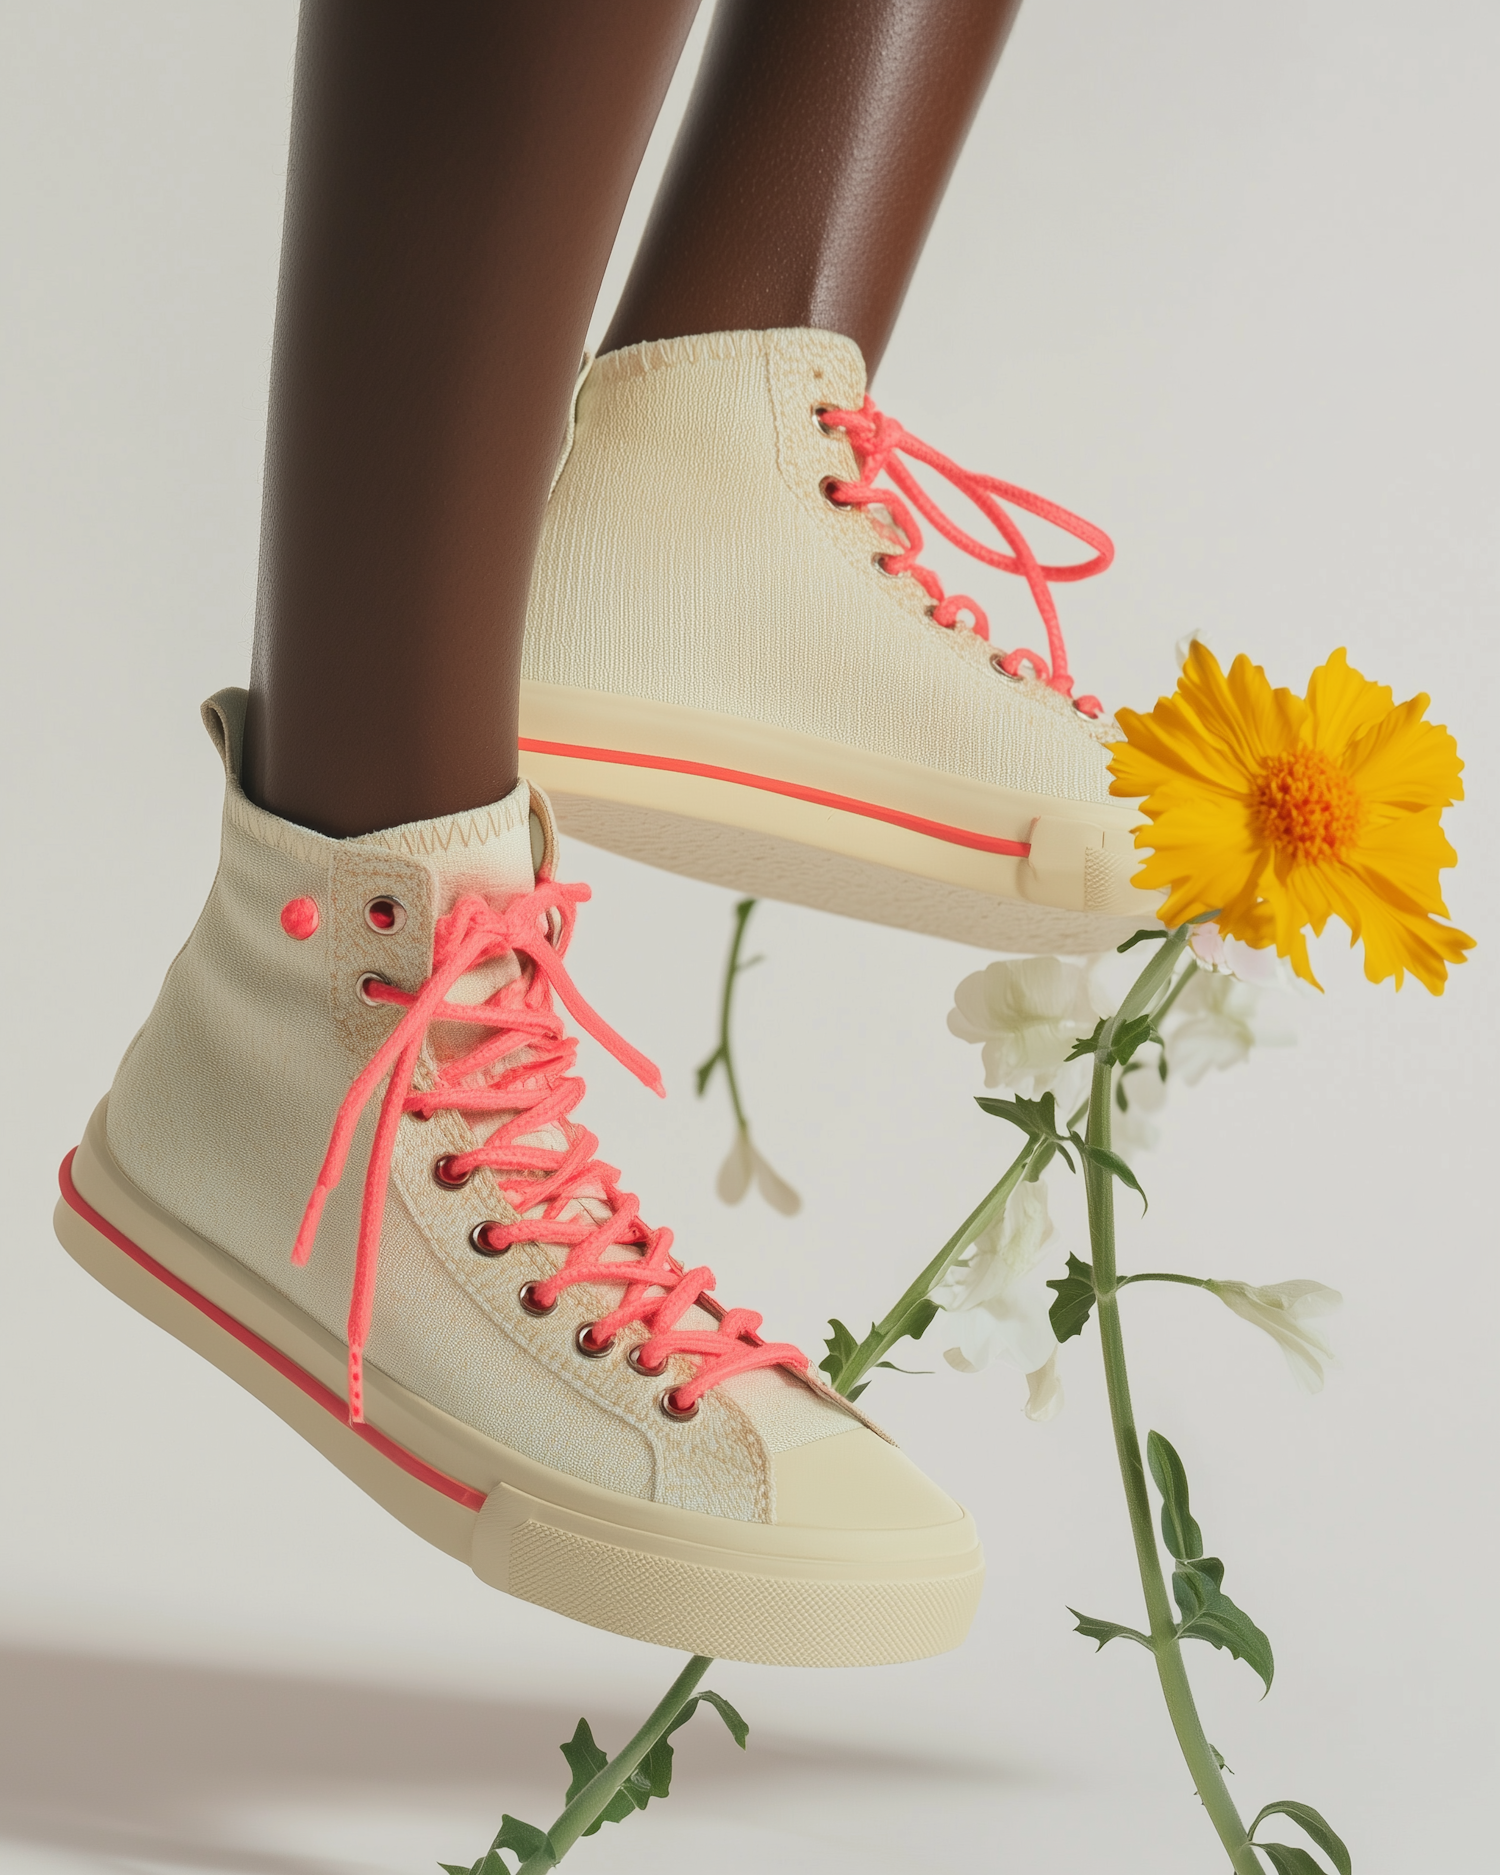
(879, 442)
(520, 1069)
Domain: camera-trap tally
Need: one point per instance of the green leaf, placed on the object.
(1141, 937)
(1179, 1531)
(1209, 1615)
(524, 1838)
(1289, 1861)
(1088, 1044)
(1219, 1760)
(1132, 1036)
(1036, 1118)
(1123, 1042)
(916, 1324)
(739, 1731)
(842, 1347)
(586, 1761)
(652, 1777)
(1101, 1631)
(706, 1070)
(1112, 1163)
(1318, 1827)
(1075, 1299)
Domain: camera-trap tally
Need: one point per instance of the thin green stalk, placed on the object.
(590, 1802)
(1161, 1276)
(723, 1053)
(1166, 1648)
(892, 1326)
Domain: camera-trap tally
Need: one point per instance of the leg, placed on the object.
(815, 153)
(457, 177)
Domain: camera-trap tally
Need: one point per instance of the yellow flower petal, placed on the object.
(1279, 814)
(1342, 705)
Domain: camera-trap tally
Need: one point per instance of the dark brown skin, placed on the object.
(815, 151)
(458, 174)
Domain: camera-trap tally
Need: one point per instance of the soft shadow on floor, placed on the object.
(140, 1761)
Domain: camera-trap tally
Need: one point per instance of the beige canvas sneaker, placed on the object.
(737, 667)
(475, 1325)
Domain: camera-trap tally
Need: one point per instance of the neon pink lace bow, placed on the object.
(878, 441)
(535, 1091)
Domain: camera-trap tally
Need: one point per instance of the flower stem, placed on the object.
(893, 1325)
(590, 1802)
(723, 1055)
(1165, 1646)
(1161, 1276)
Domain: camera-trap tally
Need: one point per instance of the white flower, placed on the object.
(743, 1164)
(1044, 1391)
(1215, 1023)
(1282, 1310)
(1027, 1014)
(998, 1300)
(1233, 958)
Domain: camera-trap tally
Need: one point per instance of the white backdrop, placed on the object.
(1223, 280)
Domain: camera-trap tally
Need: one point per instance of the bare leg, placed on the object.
(458, 173)
(814, 154)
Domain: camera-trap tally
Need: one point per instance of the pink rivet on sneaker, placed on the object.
(299, 918)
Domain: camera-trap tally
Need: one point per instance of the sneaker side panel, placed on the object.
(689, 557)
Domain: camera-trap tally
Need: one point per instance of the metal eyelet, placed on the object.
(818, 412)
(634, 1362)
(997, 665)
(480, 1244)
(679, 1413)
(526, 1296)
(443, 1174)
(1089, 716)
(878, 561)
(371, 976)
(385, 915)
(584, 1343)
(825, 489)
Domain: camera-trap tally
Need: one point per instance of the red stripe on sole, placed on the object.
(273, 1357)
(914, 823)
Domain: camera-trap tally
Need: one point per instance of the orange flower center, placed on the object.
(1305, 803)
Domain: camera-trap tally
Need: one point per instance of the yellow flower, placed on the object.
(1278, 813)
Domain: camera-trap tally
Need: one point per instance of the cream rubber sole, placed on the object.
(788, 816)
(778, 1594)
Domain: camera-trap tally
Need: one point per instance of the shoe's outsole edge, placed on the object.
(653, 1586)
(772, 811)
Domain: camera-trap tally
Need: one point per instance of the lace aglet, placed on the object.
(356, 1387)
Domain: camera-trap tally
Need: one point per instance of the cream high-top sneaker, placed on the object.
(737, 667)
(475, 1324)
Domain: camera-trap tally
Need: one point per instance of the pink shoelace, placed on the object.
(878, 442)
(535, 1092)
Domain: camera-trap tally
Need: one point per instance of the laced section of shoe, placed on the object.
(520, 1069)
(879, 442)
